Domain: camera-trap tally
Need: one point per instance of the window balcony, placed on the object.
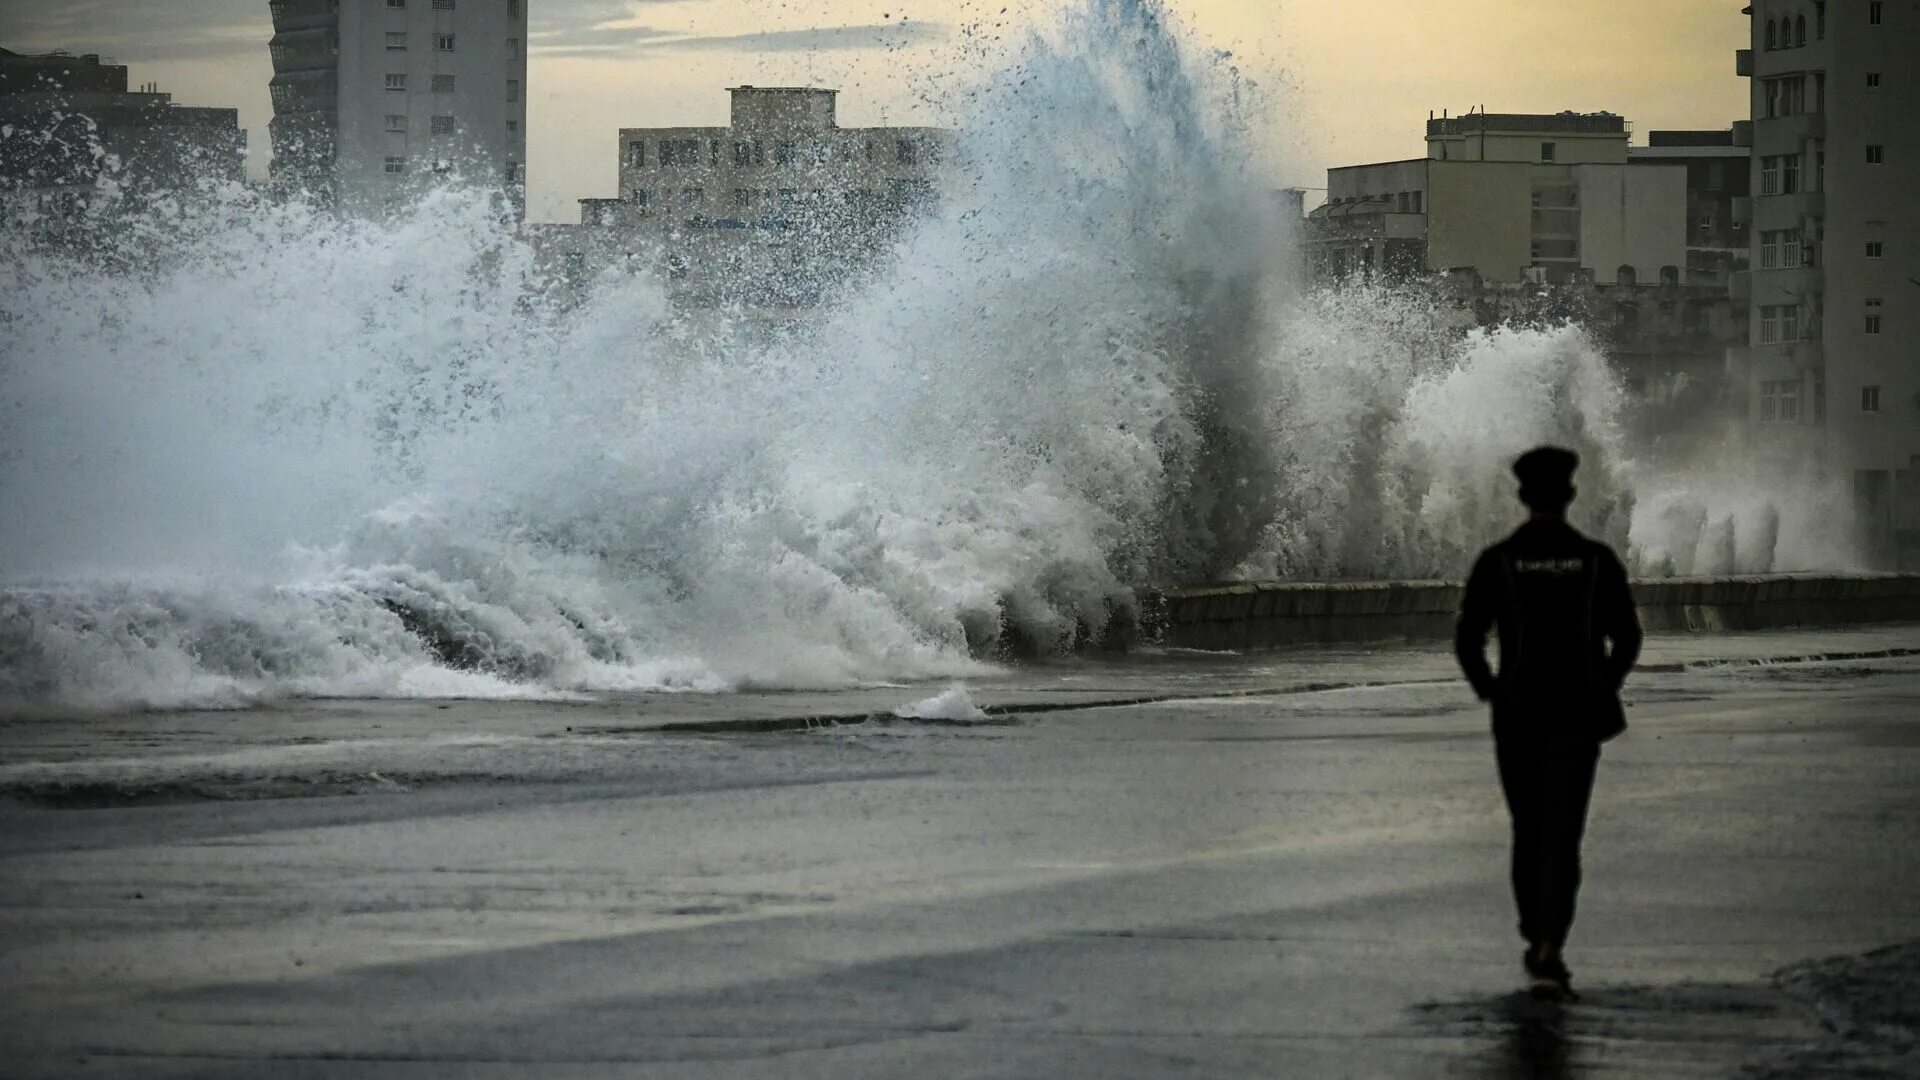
(1743, 63)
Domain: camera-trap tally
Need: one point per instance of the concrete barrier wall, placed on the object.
(1256, 615)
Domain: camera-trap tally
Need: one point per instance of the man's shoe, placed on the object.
(1551, 979)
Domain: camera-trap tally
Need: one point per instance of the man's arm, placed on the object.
(1620, 622)
(1477, 610)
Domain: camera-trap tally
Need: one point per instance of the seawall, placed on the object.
(1259, 615)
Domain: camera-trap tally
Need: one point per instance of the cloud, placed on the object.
(626, 37)
(884, 35)
(589, 41)
(133, 31)
(567, 28)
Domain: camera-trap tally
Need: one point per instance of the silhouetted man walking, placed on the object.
(1558, 599)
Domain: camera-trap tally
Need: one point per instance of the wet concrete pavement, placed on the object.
(1292, 884)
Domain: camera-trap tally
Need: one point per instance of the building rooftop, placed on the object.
(1600, 123)
(1674, 152)
(1720, 137)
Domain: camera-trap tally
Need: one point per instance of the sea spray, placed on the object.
(285, 453)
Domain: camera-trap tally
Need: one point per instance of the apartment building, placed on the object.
(1719, 195)
(68, 123)
(1512, 196)
(374, 101)
(1832, 370)
(777, 206)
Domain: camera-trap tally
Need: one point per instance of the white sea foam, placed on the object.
(286, 454)
(954, 704)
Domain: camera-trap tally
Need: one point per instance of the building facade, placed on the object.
(1548, 218)
(1544, 197)
(774, 208)
(1719, 196)
(374, 101)
(1832, 370)
(69, 124)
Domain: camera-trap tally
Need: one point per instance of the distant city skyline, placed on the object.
(1352, 89)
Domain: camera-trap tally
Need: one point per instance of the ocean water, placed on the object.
(294, 455)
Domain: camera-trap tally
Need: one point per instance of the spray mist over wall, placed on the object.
(302, 455)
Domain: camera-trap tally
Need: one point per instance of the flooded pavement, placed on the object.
(1305, 879)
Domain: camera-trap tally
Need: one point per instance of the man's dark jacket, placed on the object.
(1557, 598)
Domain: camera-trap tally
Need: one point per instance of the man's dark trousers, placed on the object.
(1547, 785)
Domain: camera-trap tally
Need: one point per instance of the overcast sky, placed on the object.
(1358, 78)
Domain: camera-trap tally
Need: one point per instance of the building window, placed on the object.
(1779, 323)
(440, 125)
(1820, 19)
(396, 82)
(1800, 30)
(1869, 399)
(1772, 41)
(1786, 97)
(904, 152)
(637, 154)
(443, 5)
(396, 165)
(513, 48)
(396, 3)
(1873, 316)
(1789, 174)
(513, 89)
(513, 9)
(443, 84)
(743, 198)
(443, 43)
(681, 152)
(515, 172)
(1770, 175)
(1547, 150)
(691, 197)
(1876, 154)
(1875, 249)
(784, 153)
(1873, 80)
(1780, 249)
(1874, 11)
(397, 42)
(747, 153)
(1417, 200)
(396, 122)
(1780, 401)
(513, 126)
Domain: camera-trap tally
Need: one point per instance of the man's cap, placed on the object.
(1546, 468)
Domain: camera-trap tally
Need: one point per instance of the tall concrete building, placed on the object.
(1550, 197)
(376, 100)
(1833, 367)
(774, 208)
